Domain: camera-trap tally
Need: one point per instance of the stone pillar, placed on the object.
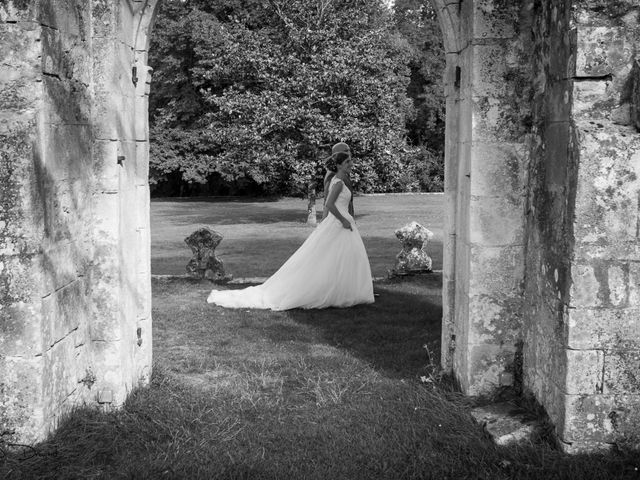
(74, 276)
(489, 242)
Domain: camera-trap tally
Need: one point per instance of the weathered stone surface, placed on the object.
(585, 372)
(598, 418)
(602, 51)
(497, 169)
(205, 263)
(504, 424)
(496, 221)
(21, 408)
(494, 19)
(413, 258)
(603, 328)
(73, 222)
(486, 363)
(621, 371)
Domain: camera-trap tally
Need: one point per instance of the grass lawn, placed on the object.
(259, 235)
(327, 394)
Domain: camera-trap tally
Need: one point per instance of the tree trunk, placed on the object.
(311, 206)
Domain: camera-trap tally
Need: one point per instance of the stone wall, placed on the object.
(582, 332)
(75, 283)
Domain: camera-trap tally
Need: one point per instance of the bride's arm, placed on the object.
(331, 204)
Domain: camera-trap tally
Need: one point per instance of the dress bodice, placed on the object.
(342, 202)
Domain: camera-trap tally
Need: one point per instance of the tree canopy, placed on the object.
(255, 92)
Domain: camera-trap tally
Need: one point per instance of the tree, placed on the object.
(257, 90)
(417, 22)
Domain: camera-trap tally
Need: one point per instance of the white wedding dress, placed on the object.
(330, 269)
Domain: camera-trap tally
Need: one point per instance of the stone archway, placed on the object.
(542, 164)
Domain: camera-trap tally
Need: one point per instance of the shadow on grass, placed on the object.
(391, 334)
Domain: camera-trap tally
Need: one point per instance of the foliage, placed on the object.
(418, 23)
(260, 90)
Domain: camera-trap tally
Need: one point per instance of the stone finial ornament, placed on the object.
(413, 257)
(205, 264)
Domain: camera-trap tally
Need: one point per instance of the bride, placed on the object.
(330, 269)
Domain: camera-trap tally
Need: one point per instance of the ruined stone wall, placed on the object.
(582, 335)
(74, 275)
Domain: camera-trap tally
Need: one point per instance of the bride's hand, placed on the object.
(346, 224)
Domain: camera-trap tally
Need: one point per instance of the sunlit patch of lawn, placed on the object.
(259, 235)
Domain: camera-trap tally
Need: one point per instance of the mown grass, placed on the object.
(260, 234)
(330, 394)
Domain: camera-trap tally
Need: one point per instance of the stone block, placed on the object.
(504, 423)
(110, 369)
(598, 418)
(602, 51)
(62, 374)
(65, 311)
(67, 152)
(495, 120)
(113, 117)
(621, 369)
(588, 97)
(66, 102)
(106, 217)
(496, 221)
(494, 19)
(141, 126)
(18, 11)
(490, 67)
(495, 319)
(618, 285)
(497, 271)
(603, 328)
(586, 287)
(66, 206)
(143, 299)
(20, 328)
(584, 372)
(486, 363)
(20, 49)
(608, 185)
(68, 16)
(618, 251)
(142, 164)
(62, 264)
(497, 169)
(106, 168)
(21, 399)
(66, 56)
(112, 67)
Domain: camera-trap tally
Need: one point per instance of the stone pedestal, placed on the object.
(205, 264)
(413, 257)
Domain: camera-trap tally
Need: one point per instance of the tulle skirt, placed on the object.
(330, 269)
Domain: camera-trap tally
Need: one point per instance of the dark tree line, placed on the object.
(249, 95)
